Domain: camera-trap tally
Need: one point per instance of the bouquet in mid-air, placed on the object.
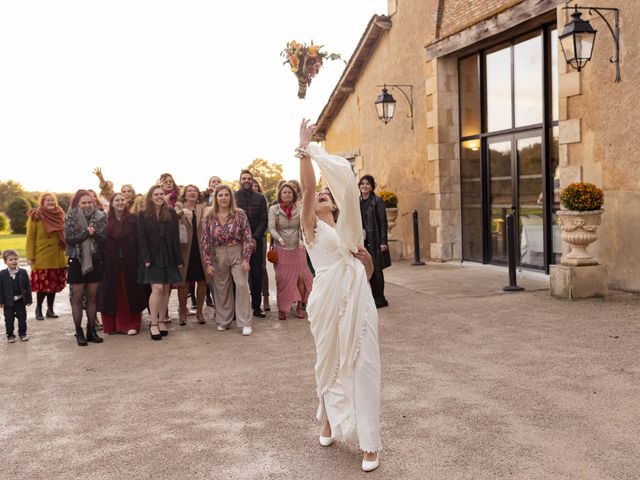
(305, 61)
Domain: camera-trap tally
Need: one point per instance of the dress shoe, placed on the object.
(154, 336)
(51, 313)
(382, 303)
(163, 330)
(24, 338)
(39, 315)
(371, 465)
(246, 331)
(259, 313)
(282, 315)
(133, 331)
(221, 328)
(80, 338)
(92, 336)
(325, 441)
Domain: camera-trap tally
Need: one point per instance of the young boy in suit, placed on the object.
(15, 295)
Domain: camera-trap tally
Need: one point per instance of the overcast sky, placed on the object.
(195, 88)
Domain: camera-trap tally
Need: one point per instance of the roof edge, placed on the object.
(346, 84)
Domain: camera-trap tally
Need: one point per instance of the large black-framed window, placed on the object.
(509, 149)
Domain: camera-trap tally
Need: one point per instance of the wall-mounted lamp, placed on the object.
(578, 37)
(386, 104)
(473, 145)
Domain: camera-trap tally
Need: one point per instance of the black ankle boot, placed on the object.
(92, 336)
(51, 313)
(39, 313)
(80, 338)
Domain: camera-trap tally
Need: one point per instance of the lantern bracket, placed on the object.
(408, 97)
(615, 30)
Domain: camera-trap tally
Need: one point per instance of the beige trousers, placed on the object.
(227, 266)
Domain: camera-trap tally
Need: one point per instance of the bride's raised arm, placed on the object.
(307, 180)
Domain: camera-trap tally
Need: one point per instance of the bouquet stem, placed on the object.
(302, 88)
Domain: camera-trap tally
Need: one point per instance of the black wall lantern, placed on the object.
(386, 104)
(578, 37)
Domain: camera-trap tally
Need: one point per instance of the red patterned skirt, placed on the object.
(291, 265)
(50, 280)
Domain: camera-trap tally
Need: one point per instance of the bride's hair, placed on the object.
(336, 210)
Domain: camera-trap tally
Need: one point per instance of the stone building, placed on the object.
(499, 121)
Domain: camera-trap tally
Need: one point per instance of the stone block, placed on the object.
(432, 119)
(575, 283)
(563, 155)
(570, 175)
(433, 151)
(396, 250)
(441, 252)
(569, 131)
(569, 84)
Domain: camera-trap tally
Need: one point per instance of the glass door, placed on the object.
(501, 195)
(529, 212)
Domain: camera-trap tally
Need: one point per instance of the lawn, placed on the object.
(15, 242)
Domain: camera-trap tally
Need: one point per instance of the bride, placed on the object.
(342, 313)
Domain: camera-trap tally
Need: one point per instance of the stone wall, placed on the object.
(394, 154)
(598, 137)
(460, 14)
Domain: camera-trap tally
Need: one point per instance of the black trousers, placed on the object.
(255, 274)
(17, 310)
(377, 287)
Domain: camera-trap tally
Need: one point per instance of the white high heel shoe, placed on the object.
(325, 441)
(371, 465)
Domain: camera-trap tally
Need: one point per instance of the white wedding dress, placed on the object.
(343, 315)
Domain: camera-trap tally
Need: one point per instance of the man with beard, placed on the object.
(255, 206)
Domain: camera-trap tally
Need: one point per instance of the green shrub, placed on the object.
(17, 213)
(4, 222)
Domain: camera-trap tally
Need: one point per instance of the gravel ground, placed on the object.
(477, 384)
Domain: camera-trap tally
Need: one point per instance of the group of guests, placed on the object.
(122, 253)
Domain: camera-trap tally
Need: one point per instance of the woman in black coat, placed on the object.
(374, 223)
(159, 255)
(121, 299)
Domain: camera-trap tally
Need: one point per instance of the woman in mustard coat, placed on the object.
(45, 252)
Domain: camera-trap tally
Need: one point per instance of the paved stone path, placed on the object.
(477, 384)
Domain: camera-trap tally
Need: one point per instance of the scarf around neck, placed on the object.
(52, 220)
(77, 222)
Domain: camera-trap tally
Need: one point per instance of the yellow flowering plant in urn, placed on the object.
(390, 201)
(579, 221)
(305, 62)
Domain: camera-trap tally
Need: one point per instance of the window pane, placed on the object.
(555, 188)
(500, 191)
(499, 90)
(469, 96)
(530, 201)
(471, 190)
(527, 73)
(554, 74)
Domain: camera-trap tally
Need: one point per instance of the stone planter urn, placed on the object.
(579, 230)
(392, 217)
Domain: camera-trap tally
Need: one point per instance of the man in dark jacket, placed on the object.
(255, 206)
(15, 295)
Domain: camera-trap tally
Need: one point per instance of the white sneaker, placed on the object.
(133, 331)
(246, 331)
(221, 328)
(371, 465)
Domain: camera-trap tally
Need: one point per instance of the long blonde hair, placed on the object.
(214, 209)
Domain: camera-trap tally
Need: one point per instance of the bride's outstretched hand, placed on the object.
(306, 132)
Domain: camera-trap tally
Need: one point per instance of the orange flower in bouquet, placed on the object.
(305, 62)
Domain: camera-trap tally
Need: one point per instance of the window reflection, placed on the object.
(530, 201)
(527, 81)
(471, 191)
(555, 202)
(469, 96)
(499, 90)
(500, 192)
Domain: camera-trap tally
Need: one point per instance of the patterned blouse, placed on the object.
(234, 231)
